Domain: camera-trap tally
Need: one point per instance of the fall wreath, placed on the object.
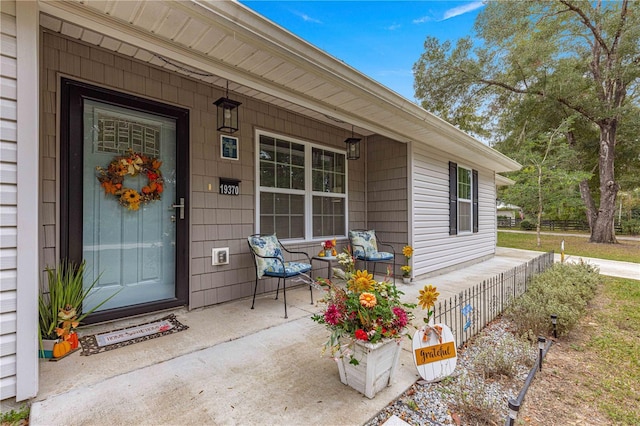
(133, 164)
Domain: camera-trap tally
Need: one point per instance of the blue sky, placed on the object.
(381, 39)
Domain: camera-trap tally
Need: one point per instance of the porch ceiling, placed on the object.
(220, 41)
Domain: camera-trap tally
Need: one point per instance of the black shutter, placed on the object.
(453, 198)
(474, 182)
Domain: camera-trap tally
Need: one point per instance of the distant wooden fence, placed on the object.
(471, 310)
(551, 225)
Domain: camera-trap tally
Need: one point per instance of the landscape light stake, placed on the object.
(514, 404)
(541, 342)
(554, 321)
(514, 407)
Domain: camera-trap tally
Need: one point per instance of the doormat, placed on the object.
(102, 342)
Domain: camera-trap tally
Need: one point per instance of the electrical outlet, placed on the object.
(220, 256)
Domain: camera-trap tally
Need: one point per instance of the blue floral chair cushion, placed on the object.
(290, 269)
(363, 242)
(379, 255)
(268, 246)
(365, 246)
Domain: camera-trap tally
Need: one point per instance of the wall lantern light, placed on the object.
(353, 147)
(227, 113)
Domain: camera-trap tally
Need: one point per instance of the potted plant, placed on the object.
(328, 248)
(60, 309)
(407, 251)
(366, 320)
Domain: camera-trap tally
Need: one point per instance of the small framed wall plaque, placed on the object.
(229, 147)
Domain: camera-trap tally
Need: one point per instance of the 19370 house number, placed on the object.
(229, 188)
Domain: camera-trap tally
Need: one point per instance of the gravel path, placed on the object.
(474, 393)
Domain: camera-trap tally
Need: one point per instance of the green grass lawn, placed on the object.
(615, 350)
(628, 251)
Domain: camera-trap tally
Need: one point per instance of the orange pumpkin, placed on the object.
(72, 338)
(61, 348)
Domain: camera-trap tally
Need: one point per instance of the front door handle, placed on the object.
(179, 206)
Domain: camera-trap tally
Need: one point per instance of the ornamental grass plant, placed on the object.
(60, 307)
(357, 307)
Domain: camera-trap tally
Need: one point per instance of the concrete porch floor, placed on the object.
(233, 366)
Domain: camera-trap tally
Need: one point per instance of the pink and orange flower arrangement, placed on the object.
(360, 308)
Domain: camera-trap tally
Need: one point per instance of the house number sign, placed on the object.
(229, 187)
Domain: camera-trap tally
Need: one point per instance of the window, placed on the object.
(463, 199)
(301, 189)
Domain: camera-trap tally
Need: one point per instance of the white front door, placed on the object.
(124, 172)
(128, 247)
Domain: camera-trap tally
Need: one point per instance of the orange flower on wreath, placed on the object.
(131, 198)
(109, 187)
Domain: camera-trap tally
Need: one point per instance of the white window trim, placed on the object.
(465, 201)
(307, 192)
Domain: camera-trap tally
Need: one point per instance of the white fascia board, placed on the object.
(504, 181)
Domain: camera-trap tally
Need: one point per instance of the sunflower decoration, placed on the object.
(407, 251)
(361, 281)
(427, 300)
(134, 164)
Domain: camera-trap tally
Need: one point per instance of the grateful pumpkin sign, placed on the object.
(434, 352)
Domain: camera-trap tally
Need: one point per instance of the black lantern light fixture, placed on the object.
(353, 147)
(227, 113)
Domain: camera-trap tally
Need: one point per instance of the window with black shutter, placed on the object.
(463, 199)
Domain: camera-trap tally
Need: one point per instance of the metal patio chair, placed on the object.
(269, 261)
(364, 245)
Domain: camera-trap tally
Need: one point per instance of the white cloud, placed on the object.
(393, 27)
(450, 13)
(461, 10)
(308, 18)
(423, 20)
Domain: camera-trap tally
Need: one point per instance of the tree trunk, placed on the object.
(592, 211)
(603, 230)
(539, 206)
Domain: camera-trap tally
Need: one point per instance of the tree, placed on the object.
(555, 58)
(546, 180)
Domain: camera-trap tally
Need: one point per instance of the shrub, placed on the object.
(15, 417)
(474, 399)
(631, 227)
(504, 356)
(563, 290)
(527, 226)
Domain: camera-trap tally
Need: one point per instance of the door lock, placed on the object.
(179, 206)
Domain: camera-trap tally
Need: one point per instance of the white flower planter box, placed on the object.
(376, 369)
